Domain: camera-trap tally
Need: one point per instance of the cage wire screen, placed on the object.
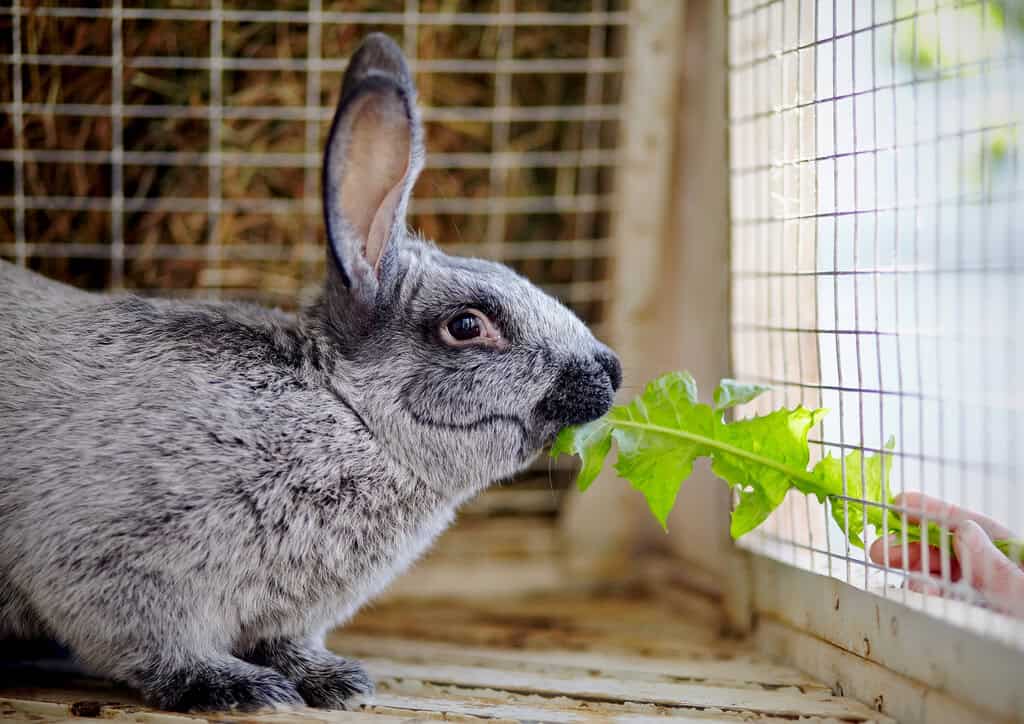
(877, 220)
(174, 148)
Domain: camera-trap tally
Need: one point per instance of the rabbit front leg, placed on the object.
(176, 675)
(324, 680)
(151, 637)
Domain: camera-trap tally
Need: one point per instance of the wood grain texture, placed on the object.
(947, 661)
(619, 657)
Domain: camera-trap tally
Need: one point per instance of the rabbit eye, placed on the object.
(465, 327)
(471, 327)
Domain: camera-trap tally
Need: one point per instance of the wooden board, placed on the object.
(944, 660)
(740, 670)
(622, 657)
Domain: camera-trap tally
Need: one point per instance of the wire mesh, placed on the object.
(877, 208)
(174, 148)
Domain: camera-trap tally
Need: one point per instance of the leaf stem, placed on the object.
(813, 485)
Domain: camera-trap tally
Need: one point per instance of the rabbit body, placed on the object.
(192, 494)
(200, 453)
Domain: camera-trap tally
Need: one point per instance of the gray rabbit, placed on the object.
(192, 495)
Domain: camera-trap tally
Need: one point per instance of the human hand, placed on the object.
(977, 561)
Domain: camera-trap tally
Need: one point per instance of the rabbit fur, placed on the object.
(193, 494)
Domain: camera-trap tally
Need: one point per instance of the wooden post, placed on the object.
(701, 315)
(671, 284)
(601, 526)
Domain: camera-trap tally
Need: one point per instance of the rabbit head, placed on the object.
(463, 369)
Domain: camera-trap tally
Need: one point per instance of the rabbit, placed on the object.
(192, 494)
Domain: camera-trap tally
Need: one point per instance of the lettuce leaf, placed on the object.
(867, 478)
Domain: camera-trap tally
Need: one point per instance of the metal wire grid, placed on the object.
(533, 190)
(877, 247)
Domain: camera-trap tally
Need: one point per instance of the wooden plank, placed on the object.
(653, 620)
(781, 702)
(482, 634)
(742, 670)
(903, 699)
(620, 657)
(682, 589)
(32, 710)
(980, 672)
(474, 702)
(565, 623)
(515, 501)
(468, 701)
(519, 537)
(488, 557)
(481, 578)
(556, 710)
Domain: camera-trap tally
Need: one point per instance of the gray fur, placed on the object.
(191, 494)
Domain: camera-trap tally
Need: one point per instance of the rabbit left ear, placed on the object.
(373, 156)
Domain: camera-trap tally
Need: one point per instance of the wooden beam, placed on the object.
(601, 526)
(741, 669)
(943, 656)
(699, 312)
(888, 692)
(600, 688)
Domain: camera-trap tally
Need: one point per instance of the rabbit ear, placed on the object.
(373, 156)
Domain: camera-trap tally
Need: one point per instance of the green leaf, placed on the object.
(654, 463)
(730, 393)
(1012, 549)
(591, 442)
(753, 508)
(866, 479)
(662, 432)
(754, 444)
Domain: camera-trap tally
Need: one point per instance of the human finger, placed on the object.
(998, 578)
(914, 560)
(918, 505)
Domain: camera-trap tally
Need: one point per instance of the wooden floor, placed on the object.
(615, 657)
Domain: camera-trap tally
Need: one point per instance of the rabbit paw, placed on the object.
(324, 680)
(234, 685)
(336, 683)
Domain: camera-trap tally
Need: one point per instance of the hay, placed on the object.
(162, 244)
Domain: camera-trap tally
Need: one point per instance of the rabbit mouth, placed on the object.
(471, 425)
(480, 423)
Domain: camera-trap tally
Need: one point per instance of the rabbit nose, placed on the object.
(609, 362)
(582, 390)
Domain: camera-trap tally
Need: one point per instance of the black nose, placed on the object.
(612, 367)
(583, 390)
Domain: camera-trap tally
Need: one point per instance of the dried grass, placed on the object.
(179, 252)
